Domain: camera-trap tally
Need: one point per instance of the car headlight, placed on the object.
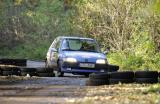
(101, 61)
(69, 59)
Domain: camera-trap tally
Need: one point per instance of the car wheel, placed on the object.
(58, 73)
(46, 64)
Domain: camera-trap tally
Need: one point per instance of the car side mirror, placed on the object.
(106, 51)
(54, 50)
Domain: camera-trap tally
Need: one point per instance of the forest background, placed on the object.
(131, 28)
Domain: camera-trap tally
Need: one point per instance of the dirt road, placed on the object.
(71, 89)
(41, 90)
(21, 90)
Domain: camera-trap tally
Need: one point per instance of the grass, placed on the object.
(120, 94)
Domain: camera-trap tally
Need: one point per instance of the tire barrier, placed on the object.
(16, 62)
(98, 79)
(0, 71)
(121, 77)
(112, 68)
(45, 72)
(6, 71)
(30, 71)
(139, 77)
(23, 71)
(146, 76)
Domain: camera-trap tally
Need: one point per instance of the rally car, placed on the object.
(76, 55)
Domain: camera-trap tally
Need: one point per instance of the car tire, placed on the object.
(122, 75)
(146, 74)
(58, 72)
(146, 80)
(46, 74)
(97, 82)
(116, 81)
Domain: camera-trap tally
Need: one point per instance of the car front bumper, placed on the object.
(75, 68)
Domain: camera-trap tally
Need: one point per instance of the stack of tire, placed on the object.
(7, 71)
(45, 72)
(146, 76)
(0, 71)
(112, 68)
(98, 79)
(28, 71)
(16, 62)
(123, 77)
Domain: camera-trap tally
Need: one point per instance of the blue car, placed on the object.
(75, 55)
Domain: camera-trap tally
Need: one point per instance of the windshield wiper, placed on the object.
(68, 50)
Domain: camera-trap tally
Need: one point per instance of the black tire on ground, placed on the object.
(86, 75)
(97, 82)
(116, 81)
(18, 62)
(46, 74)
(146, 74)
(30, 73)
(0, 71)
(9, 68)
(6, 73)
(146, 80)
(44, 70)
(122, 75)
(28, 70)
(103, 76)
(113, 68)
(159, 74)
(16, 73)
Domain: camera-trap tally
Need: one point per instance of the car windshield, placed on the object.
(79, 45)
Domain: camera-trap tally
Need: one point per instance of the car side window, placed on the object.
(55, 44)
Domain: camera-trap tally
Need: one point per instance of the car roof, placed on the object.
(71, 37)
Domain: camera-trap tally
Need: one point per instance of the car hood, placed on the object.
(81, 56)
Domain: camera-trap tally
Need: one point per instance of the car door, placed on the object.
(52, 54)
